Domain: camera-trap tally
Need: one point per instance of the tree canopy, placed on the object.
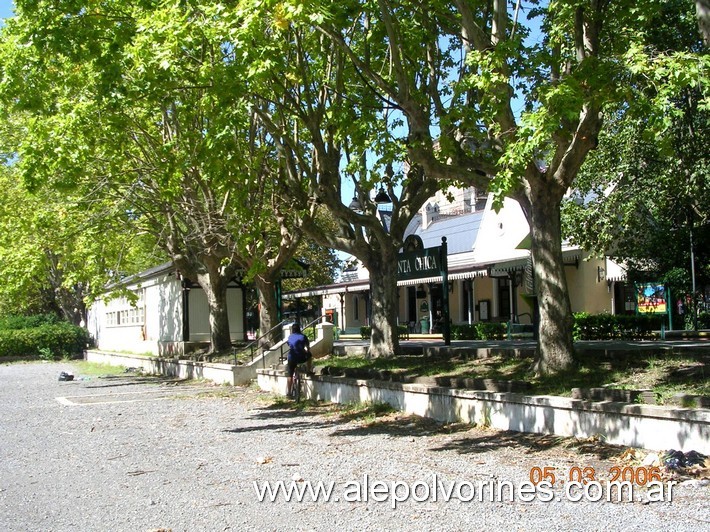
(507, 100)
(196, 112)
(130, 104)
(642, 197)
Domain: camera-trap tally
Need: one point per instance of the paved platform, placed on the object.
(435, 346)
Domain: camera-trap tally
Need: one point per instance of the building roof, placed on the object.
(139, 277)
(386, 218)
(460, 231)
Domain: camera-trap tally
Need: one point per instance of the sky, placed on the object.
(6, 7)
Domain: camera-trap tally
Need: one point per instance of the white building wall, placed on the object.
(199, 314)
(501, 231)
(164, 309)
(155, 318)
(155, 324)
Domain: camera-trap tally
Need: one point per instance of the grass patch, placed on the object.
(666, 376)
(366, 412)
(94, 369)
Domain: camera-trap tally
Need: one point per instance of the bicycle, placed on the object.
(297, 382)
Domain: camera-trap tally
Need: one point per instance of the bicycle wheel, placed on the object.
(297, 385)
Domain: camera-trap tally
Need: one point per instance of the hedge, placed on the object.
(480, 331)
(586, 327)
(464, 332)
(703, 320)
(366, 331)
(27, 322)
(615, 326)
(49, 341)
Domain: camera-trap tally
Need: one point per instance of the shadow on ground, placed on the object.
(378, 419)
(112, 381)
(493, 440)
(282, 415)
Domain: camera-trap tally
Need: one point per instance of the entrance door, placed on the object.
(411, 304)
(437, 308)
(504, 298)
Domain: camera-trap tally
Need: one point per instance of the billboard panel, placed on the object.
(651, 298)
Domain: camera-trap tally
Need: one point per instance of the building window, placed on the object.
(122, 314)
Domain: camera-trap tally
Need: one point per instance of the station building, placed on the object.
(489, 271)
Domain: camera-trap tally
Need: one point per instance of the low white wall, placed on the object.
(188, 369)
(219, 373)
(644, 426)
(170, 367)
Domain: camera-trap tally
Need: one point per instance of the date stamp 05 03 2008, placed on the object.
(584, 477)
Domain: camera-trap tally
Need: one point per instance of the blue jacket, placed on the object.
(298, 347)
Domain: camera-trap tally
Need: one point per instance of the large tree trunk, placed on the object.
(555, 346)
(702, 10)
(70, 302)
(72, 306)
(214, 282)
(268, 310)
(384, 341)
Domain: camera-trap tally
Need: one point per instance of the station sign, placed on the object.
(419, 264)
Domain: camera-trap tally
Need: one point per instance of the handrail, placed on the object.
(251, 345)
(254, 344)
(313, 324)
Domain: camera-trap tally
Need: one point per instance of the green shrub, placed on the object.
(491, 331)
(615, 326)
(47, 341)
(365, 332)
(310, 333)
(703, 320)
(464, 332)
(27, 322)
(45, 353)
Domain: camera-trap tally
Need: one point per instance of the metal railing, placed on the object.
(311, 324)
(254, 345)
(255, 349)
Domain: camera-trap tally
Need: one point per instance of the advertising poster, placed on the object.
(651, 298)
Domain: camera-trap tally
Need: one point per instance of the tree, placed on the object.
(51, 259)
(456, 72)
(128, 104)
(702, 8)
(640, 196)
(643, 196)
(323, 262)
(330, 128)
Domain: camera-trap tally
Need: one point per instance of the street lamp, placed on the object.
(355, 205)
(382, 198)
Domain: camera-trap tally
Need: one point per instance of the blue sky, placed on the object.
(6, 7)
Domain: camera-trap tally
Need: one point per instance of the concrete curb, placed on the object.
(636, 425)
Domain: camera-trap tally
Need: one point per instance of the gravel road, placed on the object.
(140, 454)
